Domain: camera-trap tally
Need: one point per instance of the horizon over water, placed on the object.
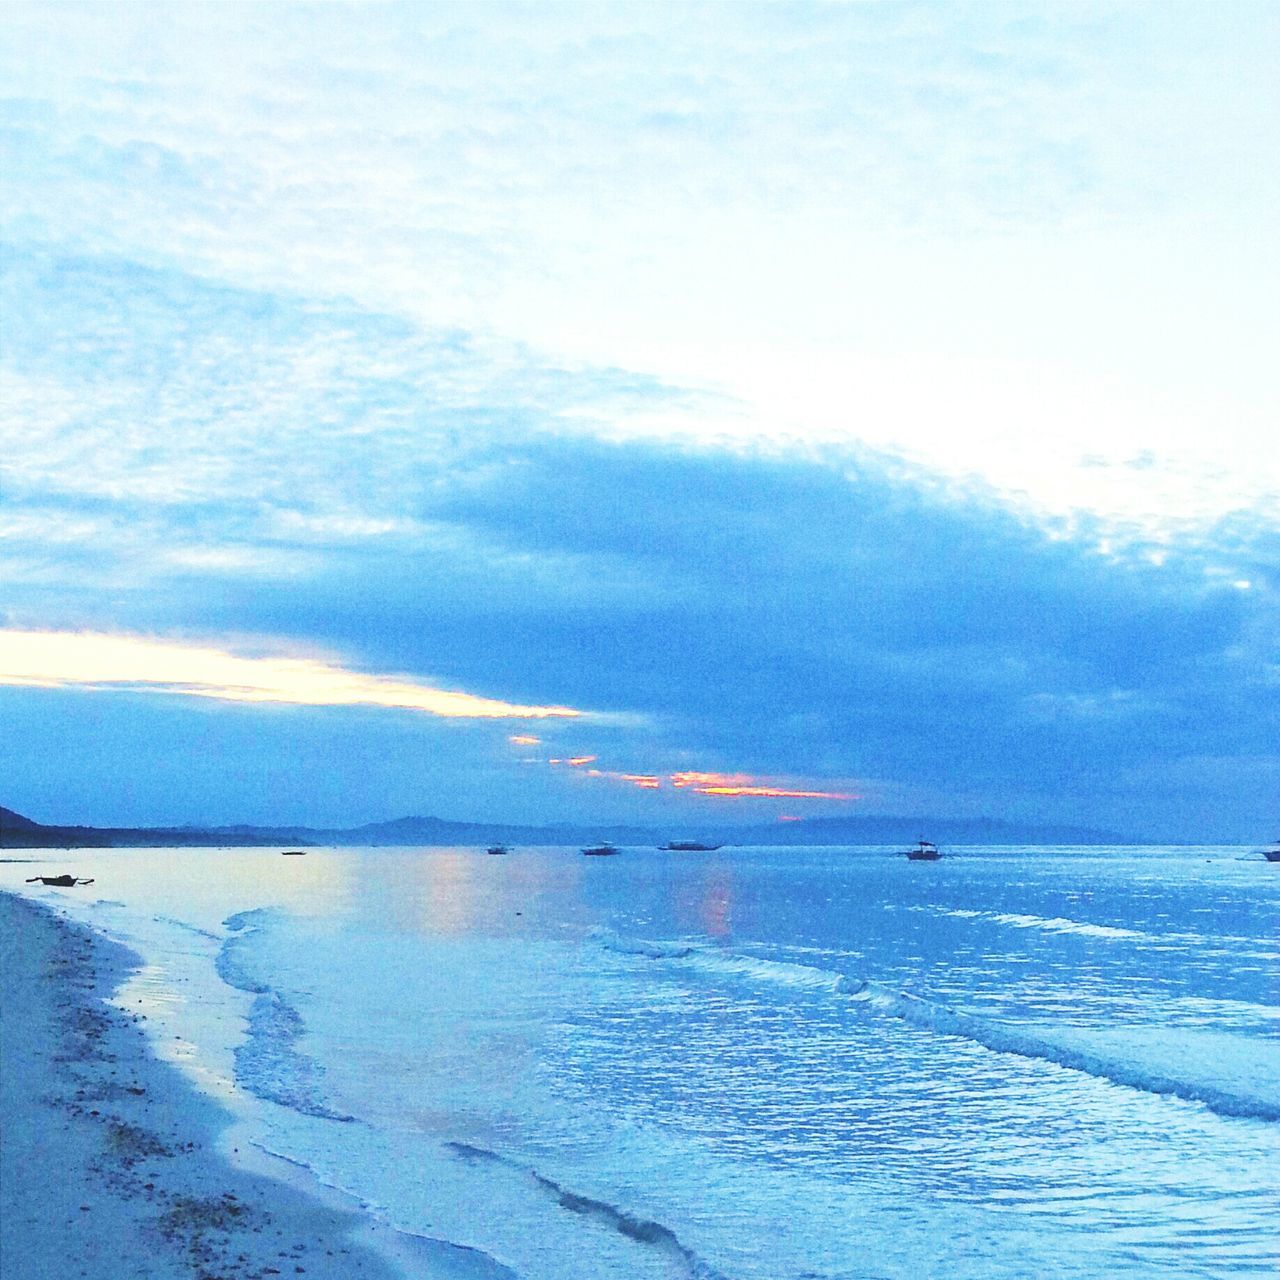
(754, 1064)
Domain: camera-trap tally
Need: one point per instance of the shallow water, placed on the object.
(754, 1063)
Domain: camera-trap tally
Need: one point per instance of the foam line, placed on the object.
(642, 1230)
(1004, 1038)
(268, 1064)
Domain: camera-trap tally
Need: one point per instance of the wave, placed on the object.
(188, 928)
(1059, 924)
(1026, 1042)
(255, 918)
(642, 1230)
(1051, 924)
(729, 964)
(1114, 933)
(942, 1019)
(268, 1064)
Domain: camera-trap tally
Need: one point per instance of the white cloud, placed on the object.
(995, 243)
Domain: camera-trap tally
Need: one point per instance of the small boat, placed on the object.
(688, 846)
(1272, 854)
(498, 848)
(924, 851)
(293, 853)
(60, 882)
(605, 850)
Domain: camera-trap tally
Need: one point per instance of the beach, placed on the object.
(110, 1165)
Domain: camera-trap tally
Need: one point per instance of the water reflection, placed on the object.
(459, 891)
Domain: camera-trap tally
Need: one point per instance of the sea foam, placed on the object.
(269, 1063)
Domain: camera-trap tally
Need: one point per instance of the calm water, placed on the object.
(754, 1064)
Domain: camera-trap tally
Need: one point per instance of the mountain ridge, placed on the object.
(18, 831)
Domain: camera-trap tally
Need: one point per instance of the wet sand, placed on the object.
(110, 1166)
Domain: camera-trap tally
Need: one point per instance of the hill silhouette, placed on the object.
(18, 831)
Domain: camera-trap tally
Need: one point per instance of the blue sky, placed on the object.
(736, 411)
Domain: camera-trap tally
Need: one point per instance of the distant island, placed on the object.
(18, 832)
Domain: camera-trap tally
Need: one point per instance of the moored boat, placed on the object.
(688, 846)
(498, 848)
(924, 851)
(1273, 853)
(605, 850)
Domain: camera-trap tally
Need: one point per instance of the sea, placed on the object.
(743, 1064)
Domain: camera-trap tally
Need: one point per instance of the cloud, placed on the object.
(189, 458)
(731, 785)
(52, 659)
(599, 361)
(1048, 226)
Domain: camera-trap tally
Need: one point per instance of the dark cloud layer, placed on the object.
(231, 466)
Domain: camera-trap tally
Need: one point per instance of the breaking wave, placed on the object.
(642, 1230)
(188, 928)
(1052, 924)
(268, 1064)
(1027, 1043)
(942, 1019)
(729, 964)
(1244, 947)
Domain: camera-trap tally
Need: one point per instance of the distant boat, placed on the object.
(1272, 854)
(924, 851)
(293, 853)
(688, 846)
(498, 848)
(605, 850)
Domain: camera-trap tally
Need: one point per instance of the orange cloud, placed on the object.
(743, 784)
(89, 660)
(705, 784)
(524, 740)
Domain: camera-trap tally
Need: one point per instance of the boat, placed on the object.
(498, 848)
(688, 846)
(60, 882)
(1272, 854)
(924, 851)
(605, 850)
(293, 853)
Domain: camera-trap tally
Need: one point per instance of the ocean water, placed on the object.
(755, 1064)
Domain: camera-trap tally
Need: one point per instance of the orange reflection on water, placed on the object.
(706, 905)
(717, 903)
(446, 879)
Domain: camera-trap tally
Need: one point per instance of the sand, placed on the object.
(109, 1160)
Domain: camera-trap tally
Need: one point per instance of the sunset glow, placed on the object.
(88, 660)
(743, 784)
(705, 784)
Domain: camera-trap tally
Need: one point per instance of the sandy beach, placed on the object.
(109, 1167)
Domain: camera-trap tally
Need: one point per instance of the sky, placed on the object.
(667, 413)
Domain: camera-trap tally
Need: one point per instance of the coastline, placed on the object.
(111, 1164)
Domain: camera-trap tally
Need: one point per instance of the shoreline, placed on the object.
(115, 1165)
